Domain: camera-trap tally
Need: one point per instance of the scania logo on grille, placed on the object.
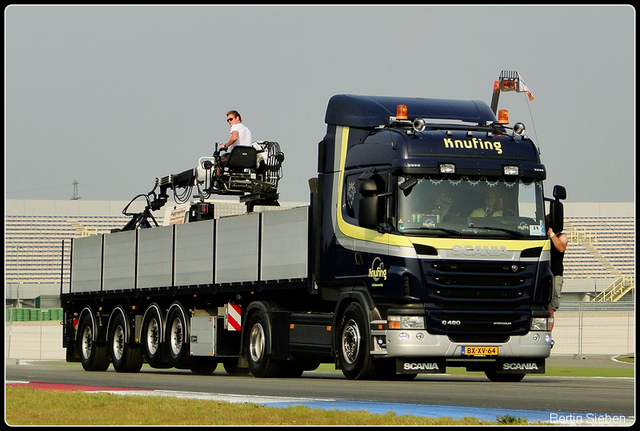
(479, 250)
(514, 268)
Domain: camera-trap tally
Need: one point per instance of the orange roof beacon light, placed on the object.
(503, 116)
(401, 112)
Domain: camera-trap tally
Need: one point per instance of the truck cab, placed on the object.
(437, 216)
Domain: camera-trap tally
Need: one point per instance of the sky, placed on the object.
(114, 97)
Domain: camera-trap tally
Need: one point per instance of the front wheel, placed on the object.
(495, 377)
(354, 349)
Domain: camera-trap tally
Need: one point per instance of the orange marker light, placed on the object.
(401, 112)
(503, 116)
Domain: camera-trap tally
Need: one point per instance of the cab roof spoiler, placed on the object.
(373, 111)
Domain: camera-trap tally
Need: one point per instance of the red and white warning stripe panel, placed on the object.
(233, 317)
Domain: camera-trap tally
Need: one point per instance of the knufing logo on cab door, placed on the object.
(377, 272)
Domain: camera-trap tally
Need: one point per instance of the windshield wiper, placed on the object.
(449, 231)
(509, 231)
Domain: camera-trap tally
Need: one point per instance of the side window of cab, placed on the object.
(350, 198)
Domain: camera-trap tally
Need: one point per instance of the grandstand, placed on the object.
(601, 251)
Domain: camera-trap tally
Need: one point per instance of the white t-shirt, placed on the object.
(244, 136)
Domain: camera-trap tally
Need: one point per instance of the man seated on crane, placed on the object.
(240, 136)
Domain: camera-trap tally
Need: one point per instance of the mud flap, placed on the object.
(520, 365)
(422, 366)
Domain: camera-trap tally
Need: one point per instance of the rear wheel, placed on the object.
(258, 340)
(355, 359)
(93, 356)
(126, 357)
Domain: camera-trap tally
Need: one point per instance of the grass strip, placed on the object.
(31, 406)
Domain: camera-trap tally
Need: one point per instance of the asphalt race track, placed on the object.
(538, 398)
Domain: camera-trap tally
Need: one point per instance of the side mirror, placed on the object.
(556, 215)
(369, 208)
(559, 192)
(556, 209)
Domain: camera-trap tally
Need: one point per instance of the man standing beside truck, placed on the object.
(559, 243)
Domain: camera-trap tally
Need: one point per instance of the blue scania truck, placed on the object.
(424, 247)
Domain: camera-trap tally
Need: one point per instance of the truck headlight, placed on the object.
(539, 324)
(406, 322)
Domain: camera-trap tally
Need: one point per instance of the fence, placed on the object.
(33, 333)
(587, 328)
(581, 328)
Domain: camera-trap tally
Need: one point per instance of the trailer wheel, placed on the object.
(126, 358)
(355, 359)
(92, 355)
(177, 340)
(257, 342)
(151, 339)
(495, 377)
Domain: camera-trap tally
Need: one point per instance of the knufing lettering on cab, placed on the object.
(474, 143)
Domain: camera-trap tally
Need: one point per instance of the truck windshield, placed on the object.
(442, 206)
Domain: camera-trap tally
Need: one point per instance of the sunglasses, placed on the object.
(229, 120)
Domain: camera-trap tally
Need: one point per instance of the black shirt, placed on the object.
(556, 259)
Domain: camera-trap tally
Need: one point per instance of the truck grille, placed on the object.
(478, 298)
(465, 322)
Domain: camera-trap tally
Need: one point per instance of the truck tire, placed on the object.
(495, 377)
(152, 346)
(258, 340)
(231, 367)
(126, 357)
(354, 344)
(386, 370)
(177, 338)
(203, 365)
(93, 356)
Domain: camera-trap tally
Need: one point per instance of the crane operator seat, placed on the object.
(242, 157)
